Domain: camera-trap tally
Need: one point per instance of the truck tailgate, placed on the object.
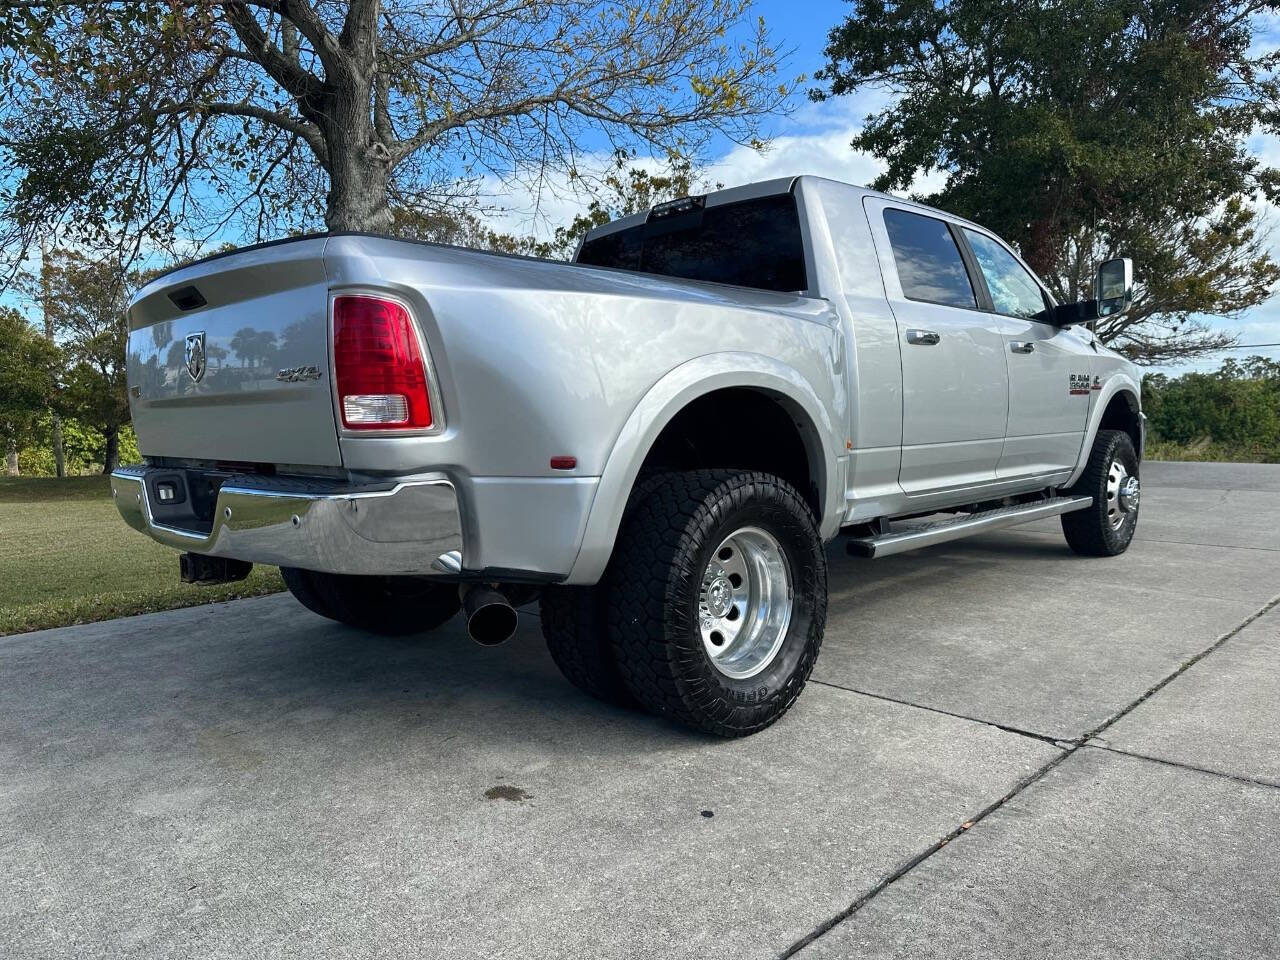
(229, 359)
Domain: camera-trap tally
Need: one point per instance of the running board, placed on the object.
(914, 534)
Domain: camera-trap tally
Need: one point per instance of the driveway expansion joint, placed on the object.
(1183, 668)
(1018, 731)
(1070, 750)
(1190, 767)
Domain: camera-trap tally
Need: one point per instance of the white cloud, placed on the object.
(814, 140)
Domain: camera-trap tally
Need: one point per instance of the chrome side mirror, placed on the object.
(1115, 286)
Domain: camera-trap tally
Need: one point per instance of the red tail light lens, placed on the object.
(382, 381)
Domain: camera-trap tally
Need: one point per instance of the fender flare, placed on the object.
(1117, 383)
(660, 404)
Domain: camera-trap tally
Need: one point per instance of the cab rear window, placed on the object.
(751, 243)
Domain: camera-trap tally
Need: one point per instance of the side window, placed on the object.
(1013, 290)
(929, 264)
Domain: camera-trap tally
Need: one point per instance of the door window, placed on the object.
(1014, 292)
(929, 264)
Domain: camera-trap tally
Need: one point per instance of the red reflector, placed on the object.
(382, 383)
(563, 463)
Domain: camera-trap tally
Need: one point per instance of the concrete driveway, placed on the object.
(1006, 751)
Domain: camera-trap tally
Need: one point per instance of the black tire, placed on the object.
(653, 586)
(388, 605)
(1094, 532)
(575, 626)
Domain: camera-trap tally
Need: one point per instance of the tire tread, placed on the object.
(1087, 531)
(654, 552)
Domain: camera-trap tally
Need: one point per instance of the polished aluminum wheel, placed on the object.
(745, 602)
(1123, 494)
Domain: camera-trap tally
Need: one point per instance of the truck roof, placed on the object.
(750, 191)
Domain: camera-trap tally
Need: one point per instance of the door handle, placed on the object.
(924, 338)
(1022, 346)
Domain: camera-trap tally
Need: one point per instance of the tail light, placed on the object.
(382, 381)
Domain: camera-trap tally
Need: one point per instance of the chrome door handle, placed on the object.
(1022, 346)
(926, 338)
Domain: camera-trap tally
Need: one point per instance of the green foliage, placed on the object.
(1233, 413)
(84, 448)
(85, 303)
(1081, 129)
(28, 378)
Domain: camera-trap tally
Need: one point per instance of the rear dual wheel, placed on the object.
(713, 606)
(387, 605)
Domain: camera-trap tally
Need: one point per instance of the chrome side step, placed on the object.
(912, 534)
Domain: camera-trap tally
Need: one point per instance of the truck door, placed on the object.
(1050, 367)
(955, 390)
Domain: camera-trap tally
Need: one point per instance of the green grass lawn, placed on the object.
(67, 557)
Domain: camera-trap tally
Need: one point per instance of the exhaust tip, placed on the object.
(491, 620)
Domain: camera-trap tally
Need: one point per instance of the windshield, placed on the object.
(751, 243)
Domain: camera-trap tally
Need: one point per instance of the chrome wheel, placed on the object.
(1123, 494)
(745, 602)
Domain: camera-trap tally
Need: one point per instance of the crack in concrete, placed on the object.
(1069, 750)
(1201, 543)
(1042, 737)
(1238, 778)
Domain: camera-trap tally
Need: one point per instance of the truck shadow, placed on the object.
(435, 691)
(441, 688)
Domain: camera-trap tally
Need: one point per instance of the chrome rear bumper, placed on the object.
(402, 527)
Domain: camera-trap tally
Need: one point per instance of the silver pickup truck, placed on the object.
(656, 441)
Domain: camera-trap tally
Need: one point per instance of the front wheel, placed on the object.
(387, 605)
(1106, 528)
(717, 598)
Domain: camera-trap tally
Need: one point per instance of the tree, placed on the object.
(28, 378)
(87, 302)
(1081, 129)
(160, 115)
(1236, 406)
(624, 188)
(55, 433)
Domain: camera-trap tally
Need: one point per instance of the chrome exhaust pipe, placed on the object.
(491, 619)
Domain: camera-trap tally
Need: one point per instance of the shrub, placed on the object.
(1234, 411)
(83, 449)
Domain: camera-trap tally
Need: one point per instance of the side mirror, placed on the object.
(1115, 286)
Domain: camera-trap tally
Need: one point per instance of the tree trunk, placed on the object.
(1041, 247)
(111, 459)
(359, 163)
(59, 460)
(357, 188)
(11, 461)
